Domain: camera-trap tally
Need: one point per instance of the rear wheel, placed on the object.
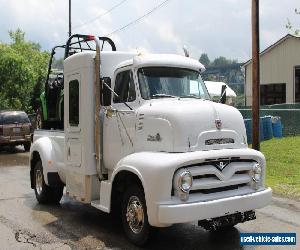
(27, 146)
(134, 216)
(44, 193)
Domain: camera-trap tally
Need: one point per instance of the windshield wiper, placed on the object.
(190, 96)
(163, 96)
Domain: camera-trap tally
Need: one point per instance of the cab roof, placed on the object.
(166, 60)
(113, 60)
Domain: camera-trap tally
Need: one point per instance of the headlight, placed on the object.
(185, 181)
(257, 173)
(256, 176)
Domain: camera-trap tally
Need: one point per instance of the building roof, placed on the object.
(215, 88)
(281, 40)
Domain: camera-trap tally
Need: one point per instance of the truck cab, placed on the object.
(142, 139)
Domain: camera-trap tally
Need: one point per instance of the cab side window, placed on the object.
(124, 87)
(74, 103)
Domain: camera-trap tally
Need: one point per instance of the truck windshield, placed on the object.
(168, 82)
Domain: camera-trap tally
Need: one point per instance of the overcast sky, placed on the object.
(218, 28)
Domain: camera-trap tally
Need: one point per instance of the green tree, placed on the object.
(22, 64)
(222, 61)
(204, 59)
(290, 27)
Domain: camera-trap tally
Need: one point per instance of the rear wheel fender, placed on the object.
(43, 147)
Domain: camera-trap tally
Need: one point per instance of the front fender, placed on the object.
(44, 147)
(156, 171)
(155, 175)
(121, 167)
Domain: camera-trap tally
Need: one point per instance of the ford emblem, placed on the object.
(218, 123)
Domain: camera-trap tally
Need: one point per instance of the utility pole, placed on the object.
(255, 75)
(70, 26)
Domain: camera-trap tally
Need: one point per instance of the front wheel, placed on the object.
(134, 216)
(44, 193)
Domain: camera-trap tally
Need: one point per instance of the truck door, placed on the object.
(119, 129)
(72, 121)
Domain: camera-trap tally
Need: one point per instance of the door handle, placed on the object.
(69, 151)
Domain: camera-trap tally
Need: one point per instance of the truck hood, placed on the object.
(182, 125)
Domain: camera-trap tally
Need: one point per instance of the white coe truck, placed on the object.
(139, 136)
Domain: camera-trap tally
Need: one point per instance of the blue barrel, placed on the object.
(267, 127)
(248, 125)
(261, 129)
(277, 127)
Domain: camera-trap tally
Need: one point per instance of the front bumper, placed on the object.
(7, 140)
(182, 213)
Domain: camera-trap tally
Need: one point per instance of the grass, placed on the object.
(283, 165)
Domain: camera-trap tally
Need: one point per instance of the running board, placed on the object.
(105, 195)
(96, 204)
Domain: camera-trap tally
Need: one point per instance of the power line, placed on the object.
(100, 16)
(140, 18)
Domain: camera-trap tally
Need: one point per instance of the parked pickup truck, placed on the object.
(141, 139)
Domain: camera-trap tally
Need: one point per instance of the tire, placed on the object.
(137, 229)
(27, 146)
(44, 193)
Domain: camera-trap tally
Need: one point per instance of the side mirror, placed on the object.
(223, 94)
(106, 92)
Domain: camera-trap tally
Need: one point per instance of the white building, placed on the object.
(279, 73)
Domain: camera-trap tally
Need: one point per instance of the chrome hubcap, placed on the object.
(135, 214)
(39, 181)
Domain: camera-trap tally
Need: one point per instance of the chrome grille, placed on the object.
(208, 178)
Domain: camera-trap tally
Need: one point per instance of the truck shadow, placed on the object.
(11, 149)
(84, 227)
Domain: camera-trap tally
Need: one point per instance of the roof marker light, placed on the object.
(90, 37)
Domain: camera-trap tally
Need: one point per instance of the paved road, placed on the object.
(24, 224)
